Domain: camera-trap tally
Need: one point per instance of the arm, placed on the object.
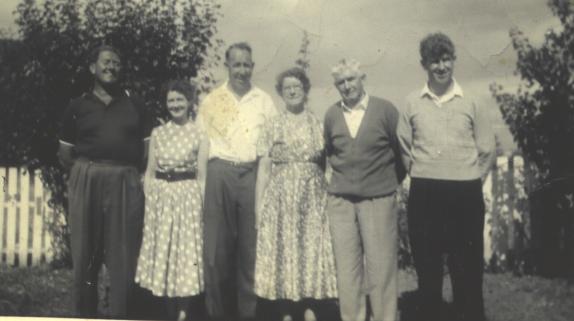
(66, 155)
(328, 148)
(484, 139)
(404, 137)
(202, 158)
(392, 120)
(263, 173)
(151, 164)
(67, 137)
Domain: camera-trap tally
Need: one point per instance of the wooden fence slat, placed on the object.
(24, 217)
(11, 219)
(4, 186)
(38, 223)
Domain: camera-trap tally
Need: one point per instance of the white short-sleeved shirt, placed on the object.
(233, 125)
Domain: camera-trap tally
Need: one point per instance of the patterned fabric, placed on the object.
(294, 250)
(170, 262)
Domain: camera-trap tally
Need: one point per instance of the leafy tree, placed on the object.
(541, 117)
(45, 66)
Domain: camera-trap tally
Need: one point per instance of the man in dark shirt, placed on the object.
(102, 142)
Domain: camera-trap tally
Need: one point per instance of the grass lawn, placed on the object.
(41, 291)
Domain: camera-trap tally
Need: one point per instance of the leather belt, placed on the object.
(175, 176)
(249, 165)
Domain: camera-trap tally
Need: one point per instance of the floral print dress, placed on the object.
(170, 261)
(294, 258)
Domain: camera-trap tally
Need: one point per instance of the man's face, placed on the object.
(440, 70)
(240, 68)
(350, 85)
(107, 68)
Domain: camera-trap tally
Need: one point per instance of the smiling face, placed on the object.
(440, 71)
(106, 69)
(240, 68)
(349, 82)
(292, 92)
(178, 106)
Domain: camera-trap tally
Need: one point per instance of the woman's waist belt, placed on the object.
(173, 176)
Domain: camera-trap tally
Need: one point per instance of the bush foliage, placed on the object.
(541, 118)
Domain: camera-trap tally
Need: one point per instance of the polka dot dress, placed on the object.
(170, 261)
(294, 258)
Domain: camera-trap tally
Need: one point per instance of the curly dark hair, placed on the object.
(434, 46)
(294, 72)
(183, 87)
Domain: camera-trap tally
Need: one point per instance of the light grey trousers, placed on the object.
(365, 241)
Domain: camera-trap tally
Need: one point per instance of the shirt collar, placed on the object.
(362, 105)
(253, 91)
(453, 91)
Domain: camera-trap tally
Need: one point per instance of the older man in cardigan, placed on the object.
(364, 153)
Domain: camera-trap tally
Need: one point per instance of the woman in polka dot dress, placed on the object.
(294, 257)
(170, 261)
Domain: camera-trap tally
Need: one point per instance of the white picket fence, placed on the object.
(24, 240)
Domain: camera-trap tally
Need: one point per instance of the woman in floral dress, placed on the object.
(294, 259)
(170, 261)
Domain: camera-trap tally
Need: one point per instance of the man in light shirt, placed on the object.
(232, 116)
(447, 146)
(364, 154)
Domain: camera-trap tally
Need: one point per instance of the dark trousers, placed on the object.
(230, 240)
(447, 217)
(106, 217)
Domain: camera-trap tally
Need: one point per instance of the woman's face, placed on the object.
(177, 105)
(292, 92)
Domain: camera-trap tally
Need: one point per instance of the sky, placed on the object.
(384, 36)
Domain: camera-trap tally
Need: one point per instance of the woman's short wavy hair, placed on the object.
(434, 46)
(296, 73)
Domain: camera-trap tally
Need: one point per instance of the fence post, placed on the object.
(11, 219)
(24, 217)
(38, 224)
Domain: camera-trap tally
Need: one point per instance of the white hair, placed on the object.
(347, 64)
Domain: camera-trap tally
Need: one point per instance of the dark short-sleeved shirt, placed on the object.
(113, 132)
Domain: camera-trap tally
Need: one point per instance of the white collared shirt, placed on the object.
(354, 115)
(453, 91)
(233, 125)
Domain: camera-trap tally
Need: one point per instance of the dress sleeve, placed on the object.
(318, 134)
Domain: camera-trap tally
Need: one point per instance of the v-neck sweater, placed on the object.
(368, 165)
